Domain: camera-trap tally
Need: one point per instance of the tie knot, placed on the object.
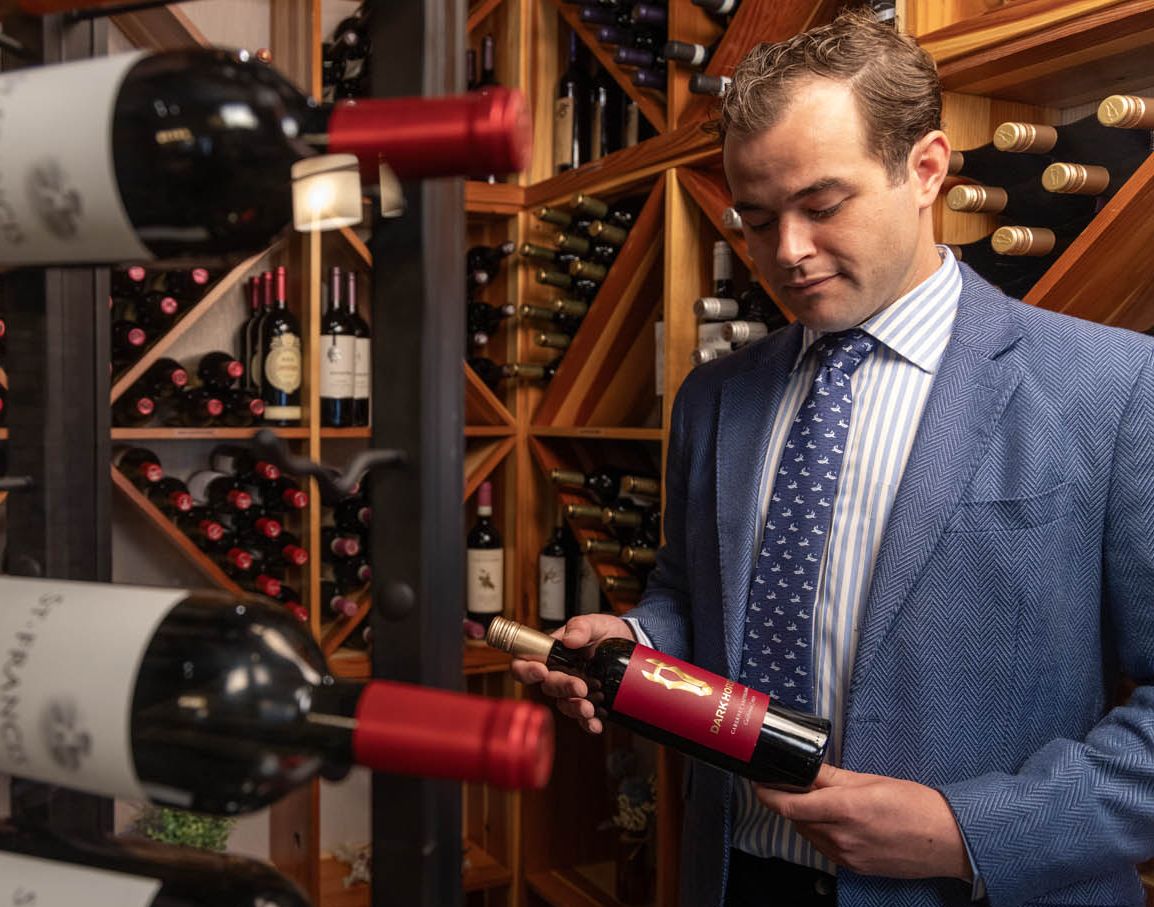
(845, 350)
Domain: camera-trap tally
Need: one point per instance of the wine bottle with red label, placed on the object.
(702, 714)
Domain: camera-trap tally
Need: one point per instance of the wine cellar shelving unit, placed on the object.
(1045, 60)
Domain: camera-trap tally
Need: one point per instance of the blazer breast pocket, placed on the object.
(1011, 514)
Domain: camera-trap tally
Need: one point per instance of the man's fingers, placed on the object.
(832, 776)
(564, 686)
(581, 709)
(812, 806)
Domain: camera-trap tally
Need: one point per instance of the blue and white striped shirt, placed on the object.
(890, 390)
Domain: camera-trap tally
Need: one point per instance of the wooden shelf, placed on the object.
(481, 458)
(496, 199)
(1048, 52)
(362, 432)
(482, 406)
(489, 431)
(629, 167)
(161, 433)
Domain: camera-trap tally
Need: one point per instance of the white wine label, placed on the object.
(282, 413)
(486, 580)
(27, 881)
(588, 589)
(282, 365)
(563, 125)
(338, 365)
(363, 369)
(551, 587)
(59, 200)
(70, 655)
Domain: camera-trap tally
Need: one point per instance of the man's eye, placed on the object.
(758, 228)
(823, 213)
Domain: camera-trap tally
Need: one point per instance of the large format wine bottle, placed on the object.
(223, 705)
(188, 154)
(42, 869)
(681, 705)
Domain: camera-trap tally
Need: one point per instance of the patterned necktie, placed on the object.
(777, 654)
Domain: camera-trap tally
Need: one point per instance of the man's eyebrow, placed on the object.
(829, 182)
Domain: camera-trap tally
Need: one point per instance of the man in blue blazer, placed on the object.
(985, 568)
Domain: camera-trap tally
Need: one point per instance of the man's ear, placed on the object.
(929, 163)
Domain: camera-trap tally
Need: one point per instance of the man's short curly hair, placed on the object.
(894, 81)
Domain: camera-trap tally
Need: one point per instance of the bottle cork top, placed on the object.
(485, 498)
(972, 198)
(1077, 179)
(1025, 137)
(1023, 240)
(518, 640)
(1125, 111)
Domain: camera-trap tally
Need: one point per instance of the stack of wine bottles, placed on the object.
(237, 511)
(728, 319)
(346, 57)
(209, 394)
(482, 318)
(620, 524)
(345, 550)
(345, 355)
(1046, 183)
(146, 304)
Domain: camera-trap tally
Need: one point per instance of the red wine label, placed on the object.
(59, 200)
(67, 676)
(692, 703)
(27, 881)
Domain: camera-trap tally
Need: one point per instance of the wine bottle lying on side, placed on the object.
(702, 714)
(220, 704)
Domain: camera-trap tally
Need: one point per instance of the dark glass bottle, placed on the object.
(195, 407)
(485, 562)
(218, 371)
(1086, 141)
(164, 379)
(225, 704)
(702, 714)
(1027, 203)
(281, 365)
(220, 492)
(605, 115)
(554, 580)
(607, 484)
(133, 409)
(991, 167)
(242, 408)
(140, 465)
(571, 120)
(170, 496)
(362, 354)
(337, 351)
(200, 526)
(187, 284)
(250, 331)
(687, 53)
(353, 514)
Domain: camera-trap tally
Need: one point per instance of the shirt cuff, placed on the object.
(640, 635)
(978, 890)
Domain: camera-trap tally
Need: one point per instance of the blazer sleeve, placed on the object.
(663, 612)
(1078, 809)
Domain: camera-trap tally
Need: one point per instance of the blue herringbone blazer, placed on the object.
(1014, 581)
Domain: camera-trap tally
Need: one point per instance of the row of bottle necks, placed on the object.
(258, 382)
(619, 523)
(245, 516)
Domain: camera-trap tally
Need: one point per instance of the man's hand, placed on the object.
(876, 825)
(570, 691)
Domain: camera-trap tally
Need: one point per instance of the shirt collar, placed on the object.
(917, 325)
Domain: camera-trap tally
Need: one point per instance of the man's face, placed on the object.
(833, 239)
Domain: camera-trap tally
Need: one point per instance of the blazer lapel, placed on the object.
(966, 401)
(749, 401)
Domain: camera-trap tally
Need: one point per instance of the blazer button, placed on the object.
(823, 886)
